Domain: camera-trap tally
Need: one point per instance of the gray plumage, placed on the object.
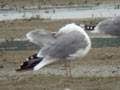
(40, 37)
(71, 42)
(65, 45)
(110, 26)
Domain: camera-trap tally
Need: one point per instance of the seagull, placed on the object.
(70, 42)
(109, 26)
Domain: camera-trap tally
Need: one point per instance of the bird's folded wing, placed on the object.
(40, 37)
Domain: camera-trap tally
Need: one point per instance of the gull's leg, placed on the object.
(66, 71)
(69, 68)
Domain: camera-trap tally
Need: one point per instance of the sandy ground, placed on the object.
(88, 73)
(99, 70)
(18, 28)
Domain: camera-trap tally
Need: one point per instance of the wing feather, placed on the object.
(40, 37)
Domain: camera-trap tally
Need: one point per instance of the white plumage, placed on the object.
(71, 42)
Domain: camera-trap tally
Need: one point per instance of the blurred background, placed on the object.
(99, 70)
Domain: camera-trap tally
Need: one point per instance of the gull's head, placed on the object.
(69, 28)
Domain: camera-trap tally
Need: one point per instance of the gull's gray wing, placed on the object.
(65, 45)
(110, 26)
(40, 37)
